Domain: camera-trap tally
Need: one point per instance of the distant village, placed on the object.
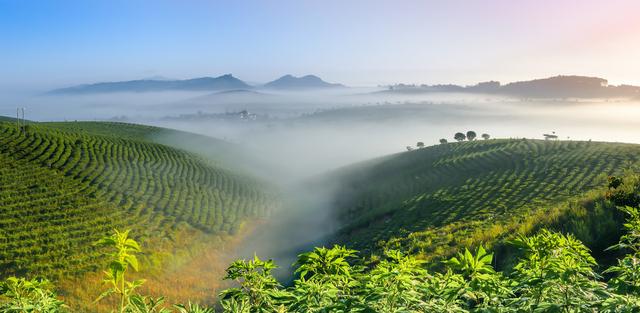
(241, 116)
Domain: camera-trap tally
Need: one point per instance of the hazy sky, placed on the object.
(57, 43)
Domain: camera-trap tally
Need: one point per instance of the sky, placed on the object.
(48, 44)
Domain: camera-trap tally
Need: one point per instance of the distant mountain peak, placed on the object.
(304, 82)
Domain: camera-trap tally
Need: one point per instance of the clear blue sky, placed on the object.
(58, 43)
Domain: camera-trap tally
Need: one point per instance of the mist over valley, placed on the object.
(319, 156)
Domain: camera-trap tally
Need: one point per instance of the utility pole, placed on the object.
(20, 122)
(24, 123)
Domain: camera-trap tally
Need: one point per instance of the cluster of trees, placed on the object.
(553, 272)
(470, 135)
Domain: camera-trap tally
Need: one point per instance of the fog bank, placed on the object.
(288, 139)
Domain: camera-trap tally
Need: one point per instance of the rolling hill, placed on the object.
(556, 87)
(224, 82)
(7, 119)
(65, 185)
(431, 200)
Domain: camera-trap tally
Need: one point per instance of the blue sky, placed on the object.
(59, 43)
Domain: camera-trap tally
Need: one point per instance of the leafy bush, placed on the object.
(20, 295)
(556, 273)
(123, 258)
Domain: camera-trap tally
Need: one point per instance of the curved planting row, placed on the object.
(62, 188)
(469, 181)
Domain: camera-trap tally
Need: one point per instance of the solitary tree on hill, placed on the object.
(409, 148)
(459, 137)
(485, 136)
(471, 135)
(443, 141)
(420, 144)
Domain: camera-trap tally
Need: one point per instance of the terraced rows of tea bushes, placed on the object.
(469, 182)
(45, 219)
(64, 185)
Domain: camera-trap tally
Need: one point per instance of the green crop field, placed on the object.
(447, 188)
(65, 185)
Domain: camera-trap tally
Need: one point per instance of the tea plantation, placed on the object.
(436, 196)
(65, 185)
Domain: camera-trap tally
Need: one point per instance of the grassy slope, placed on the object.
(7, 119)
(64, 185)
(430, 199)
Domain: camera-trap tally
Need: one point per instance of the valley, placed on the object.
(197, 202)
(372, 156)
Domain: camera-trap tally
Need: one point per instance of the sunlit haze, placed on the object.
(179, 156)
(47, 44)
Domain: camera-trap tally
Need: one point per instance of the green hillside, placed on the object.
(7, 119)
(65, 185)
(434, 194)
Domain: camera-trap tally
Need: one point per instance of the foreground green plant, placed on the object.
(627, 279)
(122, 259)
(32, 296)
(195, 308)
(554, 273)
(142, 304)
(257, 286)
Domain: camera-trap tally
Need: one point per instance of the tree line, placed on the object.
(459, 137)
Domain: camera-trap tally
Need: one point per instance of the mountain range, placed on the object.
(221, 83)
(553, 87)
